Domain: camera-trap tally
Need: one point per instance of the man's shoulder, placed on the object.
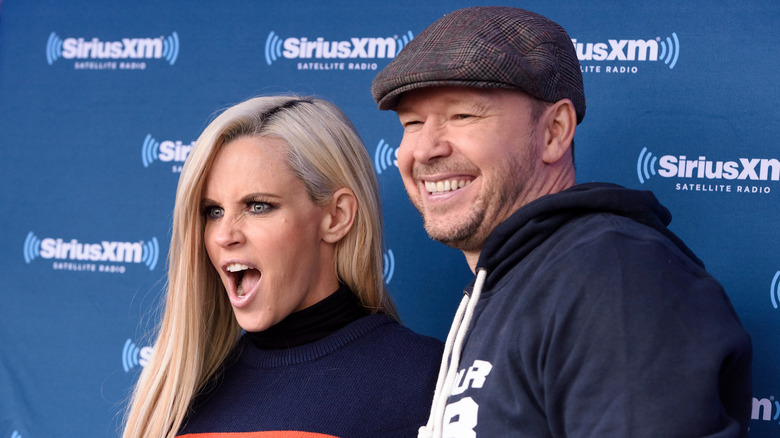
(605, 232)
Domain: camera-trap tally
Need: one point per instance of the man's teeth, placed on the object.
(236, 267)
(445, 186)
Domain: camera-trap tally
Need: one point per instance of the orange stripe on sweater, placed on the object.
(272, 434)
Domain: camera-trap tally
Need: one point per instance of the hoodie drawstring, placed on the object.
(451, 359)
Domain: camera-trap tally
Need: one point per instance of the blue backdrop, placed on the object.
(100, 103)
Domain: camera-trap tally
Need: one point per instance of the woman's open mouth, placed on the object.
(242, 277)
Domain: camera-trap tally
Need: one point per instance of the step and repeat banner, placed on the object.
(100, 103)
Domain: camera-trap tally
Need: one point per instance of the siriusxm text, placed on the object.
(127, 48)
(302, 48)
(762, 409)
(120, 252)
(174, 151)
(755, 169)
(617, 50)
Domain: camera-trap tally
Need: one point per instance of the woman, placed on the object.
(277, 233)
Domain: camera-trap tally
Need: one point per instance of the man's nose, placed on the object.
(433, 141)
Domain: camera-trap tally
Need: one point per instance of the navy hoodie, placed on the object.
(595, 320)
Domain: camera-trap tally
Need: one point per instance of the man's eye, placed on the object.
(411, 124)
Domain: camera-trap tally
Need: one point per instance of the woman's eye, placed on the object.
(212, 212)
(259, 207)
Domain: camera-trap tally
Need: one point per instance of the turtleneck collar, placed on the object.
(312, 323)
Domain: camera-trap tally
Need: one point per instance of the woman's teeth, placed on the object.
(235, 267)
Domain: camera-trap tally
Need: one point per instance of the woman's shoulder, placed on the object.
(386, 326)
(396, 342)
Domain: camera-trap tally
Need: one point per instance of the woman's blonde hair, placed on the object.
(198, 328)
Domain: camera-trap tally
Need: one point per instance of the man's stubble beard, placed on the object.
(470, 233)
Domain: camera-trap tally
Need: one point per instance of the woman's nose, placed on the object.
(228, 232)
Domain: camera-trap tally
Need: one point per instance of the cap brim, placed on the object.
(390, 100)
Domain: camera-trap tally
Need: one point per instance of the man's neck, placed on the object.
(472, 257)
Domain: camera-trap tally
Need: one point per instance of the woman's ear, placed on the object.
(559, 121)
(339, 215)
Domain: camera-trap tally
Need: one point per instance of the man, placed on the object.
(588, 317)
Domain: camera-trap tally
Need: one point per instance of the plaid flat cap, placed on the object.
(487, 47)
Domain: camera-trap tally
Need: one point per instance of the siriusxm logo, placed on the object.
(385, 157)
(658, 49)
(318, 48)
(762, 409)
(133, 356)
(141, 252)
(166, 48)
(166, 151)
(389, 266)
(671, 166)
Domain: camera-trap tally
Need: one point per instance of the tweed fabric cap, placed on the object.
(487, 47)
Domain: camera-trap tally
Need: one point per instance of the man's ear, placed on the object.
(339, 215)
(559, 121)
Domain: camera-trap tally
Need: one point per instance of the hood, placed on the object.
(530, 225)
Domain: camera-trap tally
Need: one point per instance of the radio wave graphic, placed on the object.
(402, 41)
(130, 355)
(273, 48)
(389, 266)
(774, 290)
(384, 157)
(171, 48)
(53, 48)
(150, 150)
(151, 253)
(777, 410)
(670, 50)
(645, 165)
(32, 247)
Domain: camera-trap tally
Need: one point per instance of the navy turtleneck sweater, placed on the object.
(329, 370)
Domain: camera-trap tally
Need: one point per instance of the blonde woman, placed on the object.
(277, 322)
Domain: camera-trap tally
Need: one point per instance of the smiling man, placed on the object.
(588, 317)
